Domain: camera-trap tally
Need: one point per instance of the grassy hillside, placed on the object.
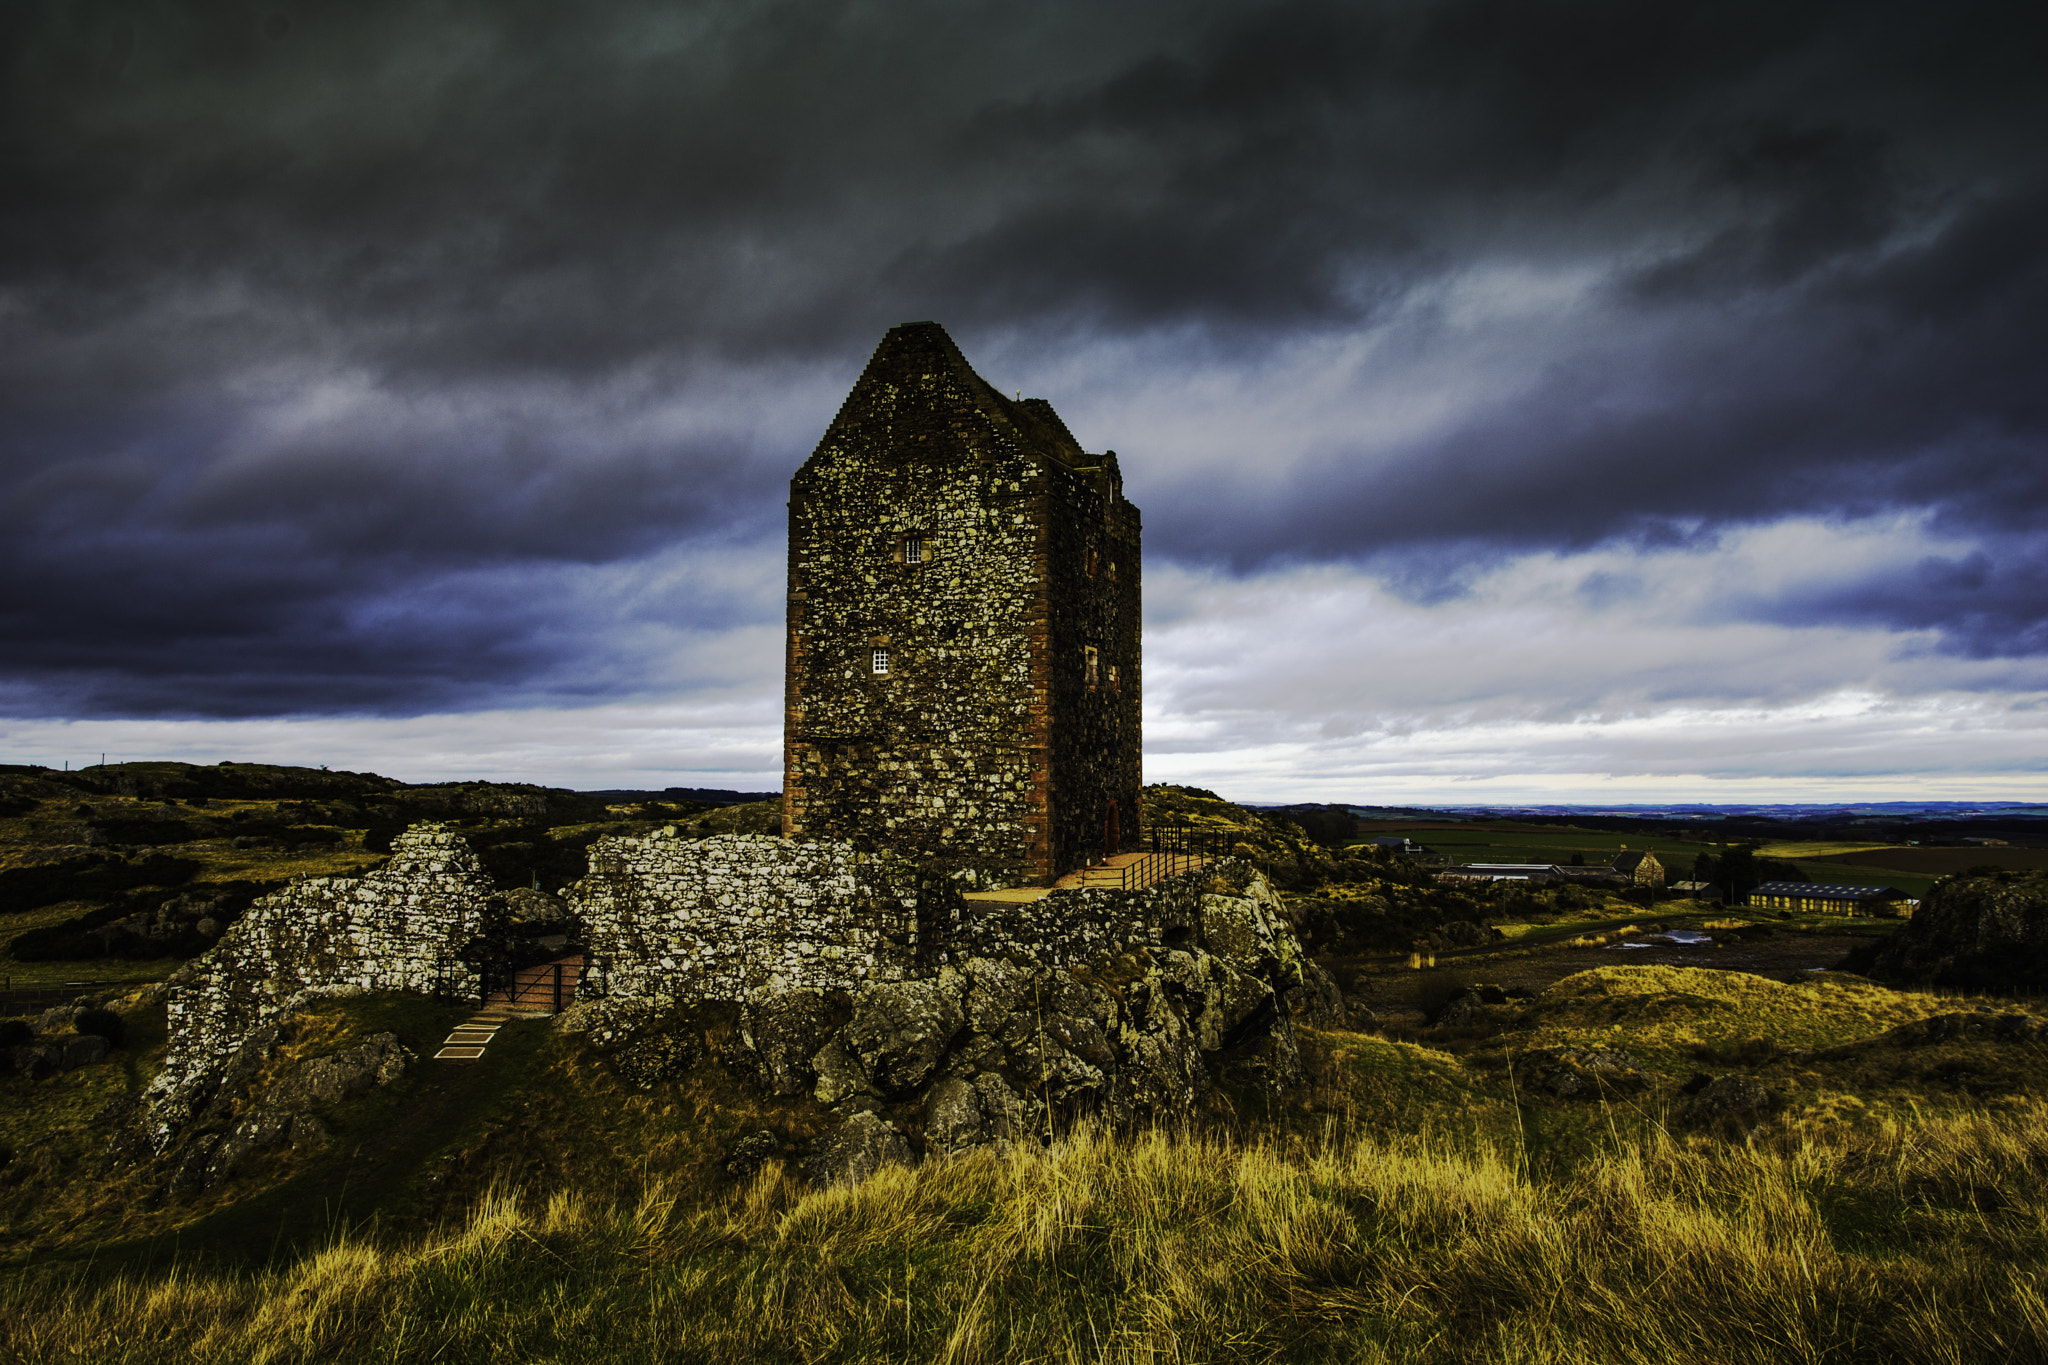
(1416, 1201)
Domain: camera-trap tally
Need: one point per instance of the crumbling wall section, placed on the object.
(721, 918)
(1069, 926)
(417, 923)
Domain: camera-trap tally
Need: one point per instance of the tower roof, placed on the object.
(918, 386)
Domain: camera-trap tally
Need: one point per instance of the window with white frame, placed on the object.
(881, 661)
(913, 549)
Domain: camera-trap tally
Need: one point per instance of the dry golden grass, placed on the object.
(1911, 1241)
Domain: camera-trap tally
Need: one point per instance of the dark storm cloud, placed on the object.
(333, 334)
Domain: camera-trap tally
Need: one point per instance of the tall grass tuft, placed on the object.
(1901, 1241)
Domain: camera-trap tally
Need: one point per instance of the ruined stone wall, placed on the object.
(1074, 925)
(721, 918)
(983, 745)
(418, 923)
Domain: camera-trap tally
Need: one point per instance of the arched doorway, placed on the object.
(1112, 832)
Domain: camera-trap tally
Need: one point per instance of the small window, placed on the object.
(881, 663)
(1091, 563)
(1114, 685)
(913, 549)
(1094, 665)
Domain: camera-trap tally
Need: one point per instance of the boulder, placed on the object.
(58, 1017)
(900, 1030)
(239, 1123)
(749, 1153)
(1730, 1106)
(1976, 933)
(783, 1030)
(82, 1049)
(840, 1075)
(952, 1116)
(862, 1145)
(1580, 1073)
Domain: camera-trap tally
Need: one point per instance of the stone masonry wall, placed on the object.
(415, 924)
(983, 745)
(1093, 591)
(720, 918)
(1074, 925)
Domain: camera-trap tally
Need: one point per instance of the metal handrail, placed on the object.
(1175, 849)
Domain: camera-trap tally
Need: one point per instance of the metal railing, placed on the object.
(1173, 849)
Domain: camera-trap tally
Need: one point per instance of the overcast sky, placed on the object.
(1540, 400)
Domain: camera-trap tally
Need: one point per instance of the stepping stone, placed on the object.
(458, 1054)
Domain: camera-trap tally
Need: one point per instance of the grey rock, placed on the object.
(1004, 1113)
(1162, 1073)
(1973, 932)
(900, 1030)
(529, 909)
(83, 1049)
(1317, 1002)
(783, 1030)
(840, 1074)
(1730, 1106)
(57, 1017)
(306, 1133)
(748, 1154)
(862, 1145)
(578, 1017)
(952, 1116)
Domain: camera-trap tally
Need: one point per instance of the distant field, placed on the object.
(1910, 870)
(1942, 862)
(1796, 850)
(1503, 841)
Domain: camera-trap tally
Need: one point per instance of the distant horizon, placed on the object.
(737, 784)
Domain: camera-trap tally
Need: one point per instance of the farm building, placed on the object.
(1815, 899)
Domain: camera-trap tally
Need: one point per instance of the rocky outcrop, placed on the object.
(995, 1050)
(1975, 933)
(253, 1103)
(1582, 1073)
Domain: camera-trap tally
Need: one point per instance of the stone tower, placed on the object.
(963, 673)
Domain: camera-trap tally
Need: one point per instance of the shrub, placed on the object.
(15, 1032)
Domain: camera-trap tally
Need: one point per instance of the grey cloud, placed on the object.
(1828, 215)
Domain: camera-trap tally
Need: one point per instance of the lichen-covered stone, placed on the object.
(1979, 933)
(782, 1030)
(862, 1145)
(972, 539)
(900, 1030)
(418, 923)
(727, 917)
